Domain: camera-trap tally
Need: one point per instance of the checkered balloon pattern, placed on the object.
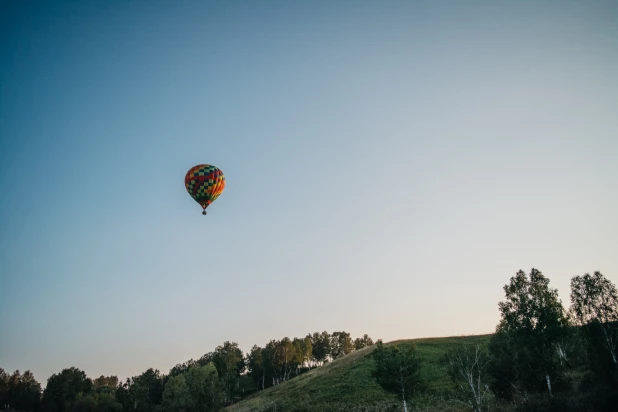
(204, 183)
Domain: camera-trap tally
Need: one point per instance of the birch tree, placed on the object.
(284, 358)
(298, 354)
(269, 362)
(467, 368)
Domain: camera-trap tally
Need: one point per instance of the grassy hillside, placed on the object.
(346, 384)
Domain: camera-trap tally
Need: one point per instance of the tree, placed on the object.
(62, 389)
(255, 364)
(502, 370)
(19, 392)
(84, 403)
(144, 392)
(4, 389)
(531, 332)
(320, 343)
(307, 351)
(298, 356)
(205, 388)
(176, 396)
(123, 396)
(466, 366)
(229, 361)
(363, 342)
(340, 344)
(269, 363)
(105, 384)
(594, 306)
(397, 370)
(106, 402)
(96, 402)
(183, 367)
(29, 393)
(284, 358)
(198, 389)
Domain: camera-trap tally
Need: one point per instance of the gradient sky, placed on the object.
(390, 165)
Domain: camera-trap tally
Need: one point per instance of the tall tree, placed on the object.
(397, 370)
(205, 388)
(229, 361)
(533, 327)
(298, 356)
(176, 396)
(255, 364)
(145, 391)
(340, 344)
(269, 362)
(29, 393)
(19, 392)
(321, 346)
(62, 389)
(198, 389)
(122, 395)
(594, 306)
(284, 358)
(307, 351)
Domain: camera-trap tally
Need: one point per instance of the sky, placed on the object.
(389, 166)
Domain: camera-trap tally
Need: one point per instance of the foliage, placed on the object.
(257, 369)
(142, 393)
(20, 392)
(176, 395)
(467, 367)
(205, 388)
(105, 384)
(341, 344)
(229, 361)
(360, 343)
(529, 340)
(320, 343)
(594, 306)
(197, 389)
(397, 369)
(63, 389)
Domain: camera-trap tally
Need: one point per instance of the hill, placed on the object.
(346, 384)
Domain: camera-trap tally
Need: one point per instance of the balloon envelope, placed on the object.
(204, 183)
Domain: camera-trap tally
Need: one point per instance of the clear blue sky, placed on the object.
(390, 165)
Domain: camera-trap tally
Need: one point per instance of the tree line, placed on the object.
(209, 383)
(542, 356)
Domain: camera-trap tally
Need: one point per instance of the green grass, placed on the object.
(346, 384)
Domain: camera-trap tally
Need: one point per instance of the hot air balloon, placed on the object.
(204, 183)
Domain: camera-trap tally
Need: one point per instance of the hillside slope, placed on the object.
(346, 384)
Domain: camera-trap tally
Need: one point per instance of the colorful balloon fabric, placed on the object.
(204, 183)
